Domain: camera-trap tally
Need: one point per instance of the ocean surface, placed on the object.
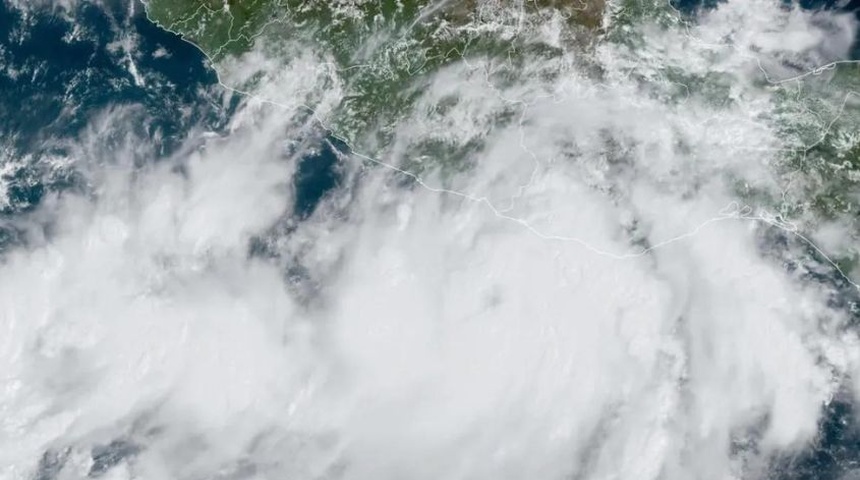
(60, 70)
(694, 7)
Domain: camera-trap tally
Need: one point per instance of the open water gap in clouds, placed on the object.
(583, 302)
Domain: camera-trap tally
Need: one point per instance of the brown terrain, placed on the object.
(588, 13)
(585, 13)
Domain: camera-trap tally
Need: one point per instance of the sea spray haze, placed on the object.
(429, 240)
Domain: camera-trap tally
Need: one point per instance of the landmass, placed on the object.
(385, 50)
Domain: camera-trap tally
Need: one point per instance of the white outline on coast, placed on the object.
(733, 211)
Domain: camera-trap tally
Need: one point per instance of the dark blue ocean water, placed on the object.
(59, 69)
(694, 7)
(690, 6)
(317, 175)
(57, 74)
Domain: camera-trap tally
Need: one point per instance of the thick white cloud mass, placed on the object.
(587, 301)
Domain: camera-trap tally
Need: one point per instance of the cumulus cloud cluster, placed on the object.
(585, 301)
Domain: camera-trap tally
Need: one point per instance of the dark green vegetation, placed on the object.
(818, 117)
(218, 27)
(382, 49)
(385, 50)
(222, 27)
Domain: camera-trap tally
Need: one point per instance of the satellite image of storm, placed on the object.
(430, 239)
